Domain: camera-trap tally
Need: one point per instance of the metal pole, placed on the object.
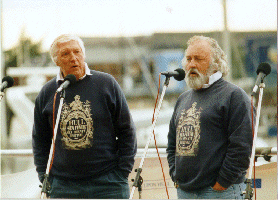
(249, 191)
(139, 170)
(262, 85)
(3, 121)
(226, 39)
(45, 185)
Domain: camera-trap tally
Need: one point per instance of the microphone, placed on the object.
(178, 74)
(69, 79)
(6, 83)
(263, 70)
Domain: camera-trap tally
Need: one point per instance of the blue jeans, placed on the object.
(233, 192)
(110, 186)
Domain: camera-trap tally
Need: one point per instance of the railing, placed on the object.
(260, 152)
(16, 153)
(29, 153)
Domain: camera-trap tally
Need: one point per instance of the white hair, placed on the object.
(218, 57)
(61, 39)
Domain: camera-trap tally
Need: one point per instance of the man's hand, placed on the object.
(218, 187)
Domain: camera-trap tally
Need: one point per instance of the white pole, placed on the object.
(43, 194)
(262, 85)
(226, 39)
(3, 103)
(150, 135)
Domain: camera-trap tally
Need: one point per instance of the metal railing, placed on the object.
(29, 153)
(260, 152)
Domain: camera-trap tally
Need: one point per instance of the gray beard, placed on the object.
(197, 82)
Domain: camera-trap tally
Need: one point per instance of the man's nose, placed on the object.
(191, 64)
(72, 57)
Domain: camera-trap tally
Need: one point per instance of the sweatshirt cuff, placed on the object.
(41, 177)
(224, 182)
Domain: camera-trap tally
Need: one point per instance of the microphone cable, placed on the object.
(155, 138)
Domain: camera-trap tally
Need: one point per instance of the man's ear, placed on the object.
(216, 65)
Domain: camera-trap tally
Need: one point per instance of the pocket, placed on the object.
(120, 174)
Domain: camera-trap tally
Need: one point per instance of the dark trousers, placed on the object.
(110, 186)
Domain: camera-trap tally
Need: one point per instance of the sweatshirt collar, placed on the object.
(87, 72)
(213, 78)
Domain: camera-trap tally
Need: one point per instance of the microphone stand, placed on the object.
(249, 191)
(46, 185)
(138, 179)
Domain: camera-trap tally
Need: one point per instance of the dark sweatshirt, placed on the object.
(96, 132)
(210, 137)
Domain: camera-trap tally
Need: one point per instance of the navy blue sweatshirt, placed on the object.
(210, 137)
(96, 132)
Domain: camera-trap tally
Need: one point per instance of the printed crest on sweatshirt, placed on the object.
(188, 132)
(76, 125)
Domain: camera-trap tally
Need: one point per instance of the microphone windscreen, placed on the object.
(265, 68)
(181, 75)
(71, 78)
(9, 80)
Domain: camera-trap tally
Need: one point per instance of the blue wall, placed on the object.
(169, 60)
(258, 50)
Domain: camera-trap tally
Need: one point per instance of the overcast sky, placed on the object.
(47, 19)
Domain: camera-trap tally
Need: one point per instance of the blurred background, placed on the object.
(133, 41)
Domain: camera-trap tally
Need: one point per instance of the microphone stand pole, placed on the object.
(46, 185)
(138, 179)
(249, 191)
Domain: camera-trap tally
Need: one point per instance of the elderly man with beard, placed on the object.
(210, 132)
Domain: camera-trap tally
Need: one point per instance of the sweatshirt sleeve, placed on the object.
(41, 138)
(171, 148)
(240, 139)
(125, 132)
